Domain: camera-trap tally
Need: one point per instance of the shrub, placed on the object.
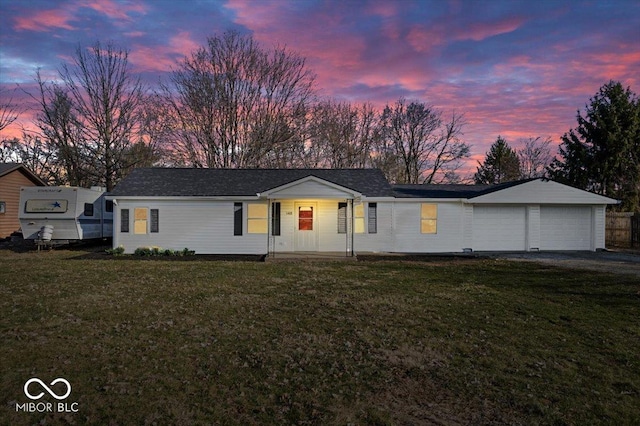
(117, 251)
(157, 251)
(143, 251)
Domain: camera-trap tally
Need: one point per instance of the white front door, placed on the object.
(306, 227)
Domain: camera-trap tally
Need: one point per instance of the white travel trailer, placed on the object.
(61, 214)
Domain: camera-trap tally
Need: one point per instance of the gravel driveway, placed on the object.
(616, 262)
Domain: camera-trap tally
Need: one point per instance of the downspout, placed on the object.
(352, 227)
(269, 226)
(103, 207)
(346, 231)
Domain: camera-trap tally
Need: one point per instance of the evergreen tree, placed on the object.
(501, 164)
(603, 153)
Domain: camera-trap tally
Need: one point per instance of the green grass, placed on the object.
(441, 342)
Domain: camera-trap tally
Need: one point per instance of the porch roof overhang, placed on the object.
(310, 187)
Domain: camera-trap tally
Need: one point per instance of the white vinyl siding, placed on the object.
(203, 226)
(407, 224)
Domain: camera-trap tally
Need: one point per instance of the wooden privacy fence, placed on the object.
(622, 229)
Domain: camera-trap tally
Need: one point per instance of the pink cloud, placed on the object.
(336, 56)
(424, 40)
(60, 18)
(481, 31)
(162, 58)
(45, 20)
(115, 10)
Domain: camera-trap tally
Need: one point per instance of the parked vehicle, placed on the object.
(62, 214)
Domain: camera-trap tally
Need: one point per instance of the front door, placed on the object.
(306, 227)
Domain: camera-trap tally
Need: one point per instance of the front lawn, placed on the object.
(207, 342)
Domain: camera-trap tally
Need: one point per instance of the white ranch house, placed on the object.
(348, 211)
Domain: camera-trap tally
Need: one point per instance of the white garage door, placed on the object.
(499, 228)
(565, 228)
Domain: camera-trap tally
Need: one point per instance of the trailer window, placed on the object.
(46, 206)
(3, 207)
(108, 206)
(88, 209)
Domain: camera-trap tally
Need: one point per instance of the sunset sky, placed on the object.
(514, 68)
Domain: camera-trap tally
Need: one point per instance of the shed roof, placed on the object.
(177, 182)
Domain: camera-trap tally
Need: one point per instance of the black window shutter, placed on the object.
(155, 224)
(275, 218)
(237, 218)
(342, 218)
(373, 218)
(124, 220)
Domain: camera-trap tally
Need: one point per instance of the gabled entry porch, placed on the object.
(309, 216)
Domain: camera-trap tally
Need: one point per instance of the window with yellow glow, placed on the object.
(257, 218)
(140, 215)
(428, 218)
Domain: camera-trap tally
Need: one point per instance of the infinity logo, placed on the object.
(47, 388)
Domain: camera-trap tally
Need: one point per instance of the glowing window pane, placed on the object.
(257, 211)
(428, 226)
(429, 218)
(257, 226)
(358, 214)
(257, 218)
(429, 211)
(140, 221)
(305, 218)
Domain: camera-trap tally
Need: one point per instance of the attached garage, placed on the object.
(537, 215)
(499, 228)
(566, 228)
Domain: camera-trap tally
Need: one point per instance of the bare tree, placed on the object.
(424, 148)
(36, 155)
(238, 104)
(61, 136)
(9, 111)
(535, 156)
(106, 99)
(342, 134)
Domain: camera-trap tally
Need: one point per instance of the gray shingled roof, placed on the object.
(169, 182)
(450, 190)
(7, 167)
